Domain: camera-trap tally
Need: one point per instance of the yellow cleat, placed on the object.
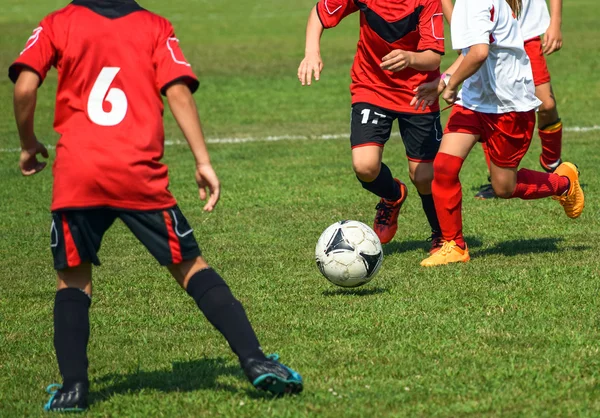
(573, 201)
(449, 253)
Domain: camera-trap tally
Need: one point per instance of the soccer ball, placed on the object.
(349, 253)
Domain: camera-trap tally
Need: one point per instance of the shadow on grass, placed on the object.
(528, 246)
(185, 376)
(356, 292)
(399, 247)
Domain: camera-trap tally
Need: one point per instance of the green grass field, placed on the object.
(513, 333)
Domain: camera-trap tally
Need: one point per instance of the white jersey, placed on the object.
(504, 83)
(534, 18)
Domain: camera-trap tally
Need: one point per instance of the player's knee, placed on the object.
(421, 178)
(548, 107)
(365, 171)
(182, 272)
(503, 190)
(442, 171)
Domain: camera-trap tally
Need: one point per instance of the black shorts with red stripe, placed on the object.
(76, 235)
(421, 132)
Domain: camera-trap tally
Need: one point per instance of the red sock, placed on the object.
(487, 156)
(551, 137)
(536, 185)
(447, 196)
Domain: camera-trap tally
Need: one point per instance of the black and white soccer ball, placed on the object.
(349, 254)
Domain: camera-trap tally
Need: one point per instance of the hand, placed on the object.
(28, 161)
(311, 63)
(552, 40)
(396, 60)
(450, 95)
(427, 94)
(207, 179)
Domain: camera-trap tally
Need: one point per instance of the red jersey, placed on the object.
(386, 25)
(113, 64)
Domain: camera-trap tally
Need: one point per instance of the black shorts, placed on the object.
(421, 133)
(76, 234)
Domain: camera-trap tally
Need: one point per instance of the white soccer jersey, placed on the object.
(534, 18)
(504, 83)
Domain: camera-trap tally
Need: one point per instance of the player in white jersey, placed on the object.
(496, 106)
(536, 20)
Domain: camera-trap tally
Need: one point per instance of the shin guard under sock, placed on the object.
(551, 136)
(71, 334)
(225, 313)
(384, 185)
(447, 195)
(537, 185)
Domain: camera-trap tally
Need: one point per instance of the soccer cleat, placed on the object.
(437, 242)
(449, 253)
(72, 398)
(550, 168)
(573, 201)
(386, 219)
(270, 375)
(486, 192)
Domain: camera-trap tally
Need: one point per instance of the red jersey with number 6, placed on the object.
(387, 25)
(113, 64)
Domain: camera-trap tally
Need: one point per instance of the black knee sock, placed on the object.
(71, 334)
(384, 185)
(429, 209)
(215, 300)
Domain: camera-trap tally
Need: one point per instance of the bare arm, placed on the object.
(463, 68)
(553, 38)
(447, 8)
(398, 60)
(312, 62)
(24, 102)
(184, 110)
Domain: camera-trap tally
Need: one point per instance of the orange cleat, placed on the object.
(449, 253)
(386, 219)
(573, 201)
(437, 242)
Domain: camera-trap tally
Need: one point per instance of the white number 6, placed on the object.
(115, 97)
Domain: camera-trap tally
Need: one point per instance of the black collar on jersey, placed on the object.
(390, 31)
(111, 9)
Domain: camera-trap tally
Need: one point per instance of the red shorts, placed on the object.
(506, 135)
(533, 48)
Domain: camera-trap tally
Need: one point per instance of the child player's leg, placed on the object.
(447, 195)
(170, 239)
(227, 315)
(550, 128)
(71, 335)
(371, 127)
(377, 178)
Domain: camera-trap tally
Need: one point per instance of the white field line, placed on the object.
(174, 142)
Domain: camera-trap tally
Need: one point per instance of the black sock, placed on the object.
(429, 209)
(384, 185)
(71, 334)
(215, 300)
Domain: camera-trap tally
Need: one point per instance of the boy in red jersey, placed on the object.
(534, 21)
(114, 59)
(496, 106)
(400, 47)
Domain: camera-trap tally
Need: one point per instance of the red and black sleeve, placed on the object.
(39, 54)
(331, 12)
(170, 63)
(431, 27)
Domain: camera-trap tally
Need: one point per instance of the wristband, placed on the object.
(446, 78)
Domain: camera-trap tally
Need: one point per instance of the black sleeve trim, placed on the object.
(15, 69)
(442, 53)
(319, 16)
(190, 81)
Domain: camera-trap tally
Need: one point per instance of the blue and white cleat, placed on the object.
(270, 375)
(67, 399)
